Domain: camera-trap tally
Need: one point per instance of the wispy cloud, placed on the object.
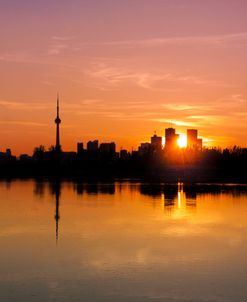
(184, 107)
(173, 122)
(63, 38)
(25, 105)
(22, 123)
(91, 102)
(59, 44)
(207, 120)
(180, 40)
(109, 76)
(227, 106)
(57, 48)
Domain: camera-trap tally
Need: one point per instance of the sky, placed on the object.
(123, 69)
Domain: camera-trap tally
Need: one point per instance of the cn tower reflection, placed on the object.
(56, 190)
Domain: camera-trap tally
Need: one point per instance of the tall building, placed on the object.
(144, 148)
(171, 138)
(124, 154)
(93, 146)
(8, 152)
(107, 148)
(57, 122)
(79, 148)
(193, 142)
(156, 142)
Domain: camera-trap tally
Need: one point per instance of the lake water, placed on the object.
(122, 242)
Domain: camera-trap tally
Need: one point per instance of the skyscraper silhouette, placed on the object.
(193, 142)
(171, 139)
(57, 122)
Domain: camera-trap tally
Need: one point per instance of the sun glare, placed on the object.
(182, 141)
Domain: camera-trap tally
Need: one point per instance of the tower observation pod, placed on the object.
(57, 122)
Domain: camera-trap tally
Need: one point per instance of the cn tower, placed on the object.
(57, 122)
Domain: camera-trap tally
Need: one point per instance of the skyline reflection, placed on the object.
(176, 198)
(122, 241)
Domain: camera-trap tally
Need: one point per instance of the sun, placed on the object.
(182, 141)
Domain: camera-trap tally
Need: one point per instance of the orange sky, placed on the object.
(123, 70)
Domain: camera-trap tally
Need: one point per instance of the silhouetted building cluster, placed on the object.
(95, 150)
(7, 156)
(171, 142)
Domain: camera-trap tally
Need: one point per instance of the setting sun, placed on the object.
(182, 141)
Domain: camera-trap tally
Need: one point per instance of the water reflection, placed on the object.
(188, 193)
(174, 197)
(56, 191)
(39, 188)
(94, 188)
(122, 241)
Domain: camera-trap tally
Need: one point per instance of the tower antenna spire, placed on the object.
(57, 104)
(57, 122)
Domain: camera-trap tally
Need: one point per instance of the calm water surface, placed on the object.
(122, 242)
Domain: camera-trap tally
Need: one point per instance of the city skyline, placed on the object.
(170, 141)
(123, 70)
